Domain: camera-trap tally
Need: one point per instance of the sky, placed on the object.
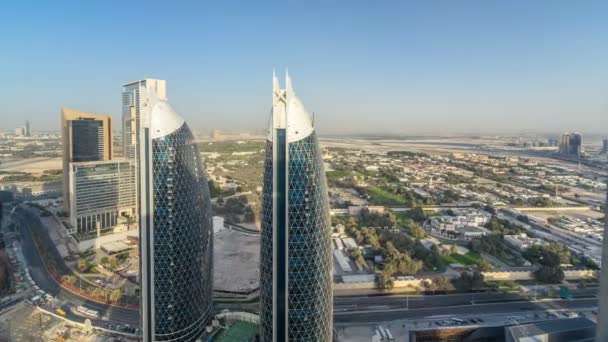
(363, 67)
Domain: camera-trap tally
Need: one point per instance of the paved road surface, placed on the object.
(380, 313)
(28, 222)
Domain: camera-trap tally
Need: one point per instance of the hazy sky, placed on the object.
(425, 66)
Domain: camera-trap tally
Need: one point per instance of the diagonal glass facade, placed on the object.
(182, 239)
(303, 308)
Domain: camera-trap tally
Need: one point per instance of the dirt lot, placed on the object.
(236, 258)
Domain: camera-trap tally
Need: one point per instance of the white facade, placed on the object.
(522, 241)
(102, 197)
(288, 112)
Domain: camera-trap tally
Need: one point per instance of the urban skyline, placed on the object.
(440, 175)
(304, 254)
(513, 61)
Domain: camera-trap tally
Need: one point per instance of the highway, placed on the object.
(347, 310)
(28, 222)
(384, 313)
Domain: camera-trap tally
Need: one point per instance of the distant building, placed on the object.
(20, 131)
(33, 190)
(216, 134)
(522, 241)
(85, 137)
(28, 132)
(605, 146)
(571, 144)
(553, 142)
(465, 225)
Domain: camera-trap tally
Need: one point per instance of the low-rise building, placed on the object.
(522, 241)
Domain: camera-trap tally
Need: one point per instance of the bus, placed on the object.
(87, 312)
(60, 312)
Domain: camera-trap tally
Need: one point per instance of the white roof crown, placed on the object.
(288, 112)
(164, 120)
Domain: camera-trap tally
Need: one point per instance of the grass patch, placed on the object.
(239, 331)
(470, 258)
(379, 196)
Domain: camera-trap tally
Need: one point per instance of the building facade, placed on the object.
(85, 137)
(176, 235)
(102, 195)
(602, 318)
(571, 144)
(296, 301)
(135, 97)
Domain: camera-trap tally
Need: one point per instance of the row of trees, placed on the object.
(503, 227)
(549, 258)
(113, 295)
(235, 209)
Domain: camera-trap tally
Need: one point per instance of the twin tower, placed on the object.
(176, 227)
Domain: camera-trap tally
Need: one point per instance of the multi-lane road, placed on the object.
(364, 310)
(347, 310)
(28, 223)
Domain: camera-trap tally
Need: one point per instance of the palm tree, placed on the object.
(70, 279)
(115, 295)
(99, 292)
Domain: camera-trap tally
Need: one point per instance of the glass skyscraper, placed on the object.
(175, 228)
(296, 279)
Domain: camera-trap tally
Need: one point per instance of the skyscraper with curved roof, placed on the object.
(296, 282)
(176, 228)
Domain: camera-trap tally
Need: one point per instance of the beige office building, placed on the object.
(85, 137)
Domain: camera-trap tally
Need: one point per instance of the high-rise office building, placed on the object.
(296, 260)
(28, 132)
(571, 144)
(602, 319)
(564, 144)
(102, 196)
(175, 226)
(85, 137)
(135, 96)
(20, 131)
(605, 146)
(576, 144)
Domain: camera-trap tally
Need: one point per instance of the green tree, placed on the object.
(115, 295)
(417, 214)
(442, 283)
(417, 232)
(549, 274)
(469, 281)
(484, 265)
(99, 292)
(70, 279)
(384, 281)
